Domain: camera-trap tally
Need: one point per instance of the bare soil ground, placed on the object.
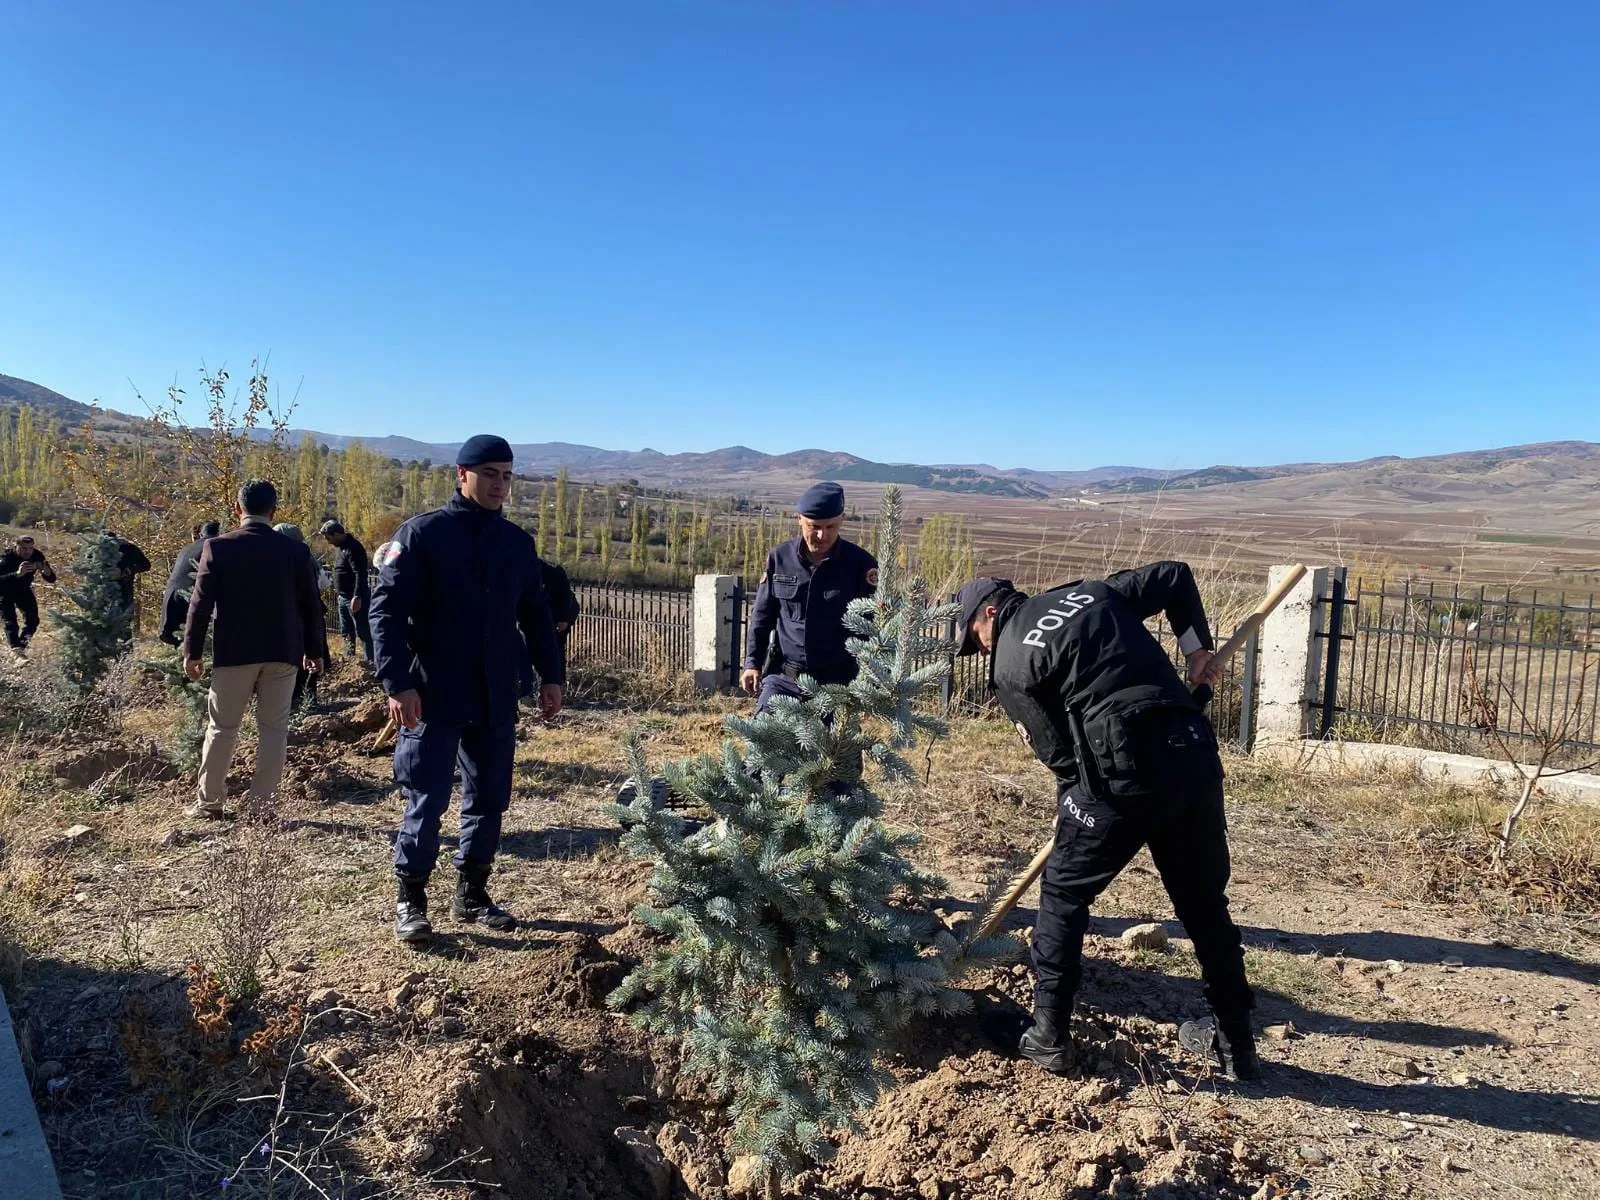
(1434, 1031)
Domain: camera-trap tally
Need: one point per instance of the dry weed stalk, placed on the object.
(130, 917)
(1486, 697)
(247, 892)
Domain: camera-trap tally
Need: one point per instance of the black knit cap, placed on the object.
(483, 448)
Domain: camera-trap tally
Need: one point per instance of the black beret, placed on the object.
(821, 502)
(483, 448)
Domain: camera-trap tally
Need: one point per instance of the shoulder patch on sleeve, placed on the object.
(872, 576)
(387, 553)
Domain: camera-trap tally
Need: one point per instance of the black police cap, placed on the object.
(971, 597)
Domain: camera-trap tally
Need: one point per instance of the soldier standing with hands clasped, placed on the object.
(458, 613)
(1096, 698)
(808, 583)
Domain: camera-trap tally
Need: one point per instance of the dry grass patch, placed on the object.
(1420, 838)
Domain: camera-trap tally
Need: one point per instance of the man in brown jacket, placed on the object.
(263, 588)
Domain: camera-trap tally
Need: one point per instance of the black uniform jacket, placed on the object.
(12, 581)
(459, 613)
(350, 568)
(1075, 647)
(558, 588)
(803, 603)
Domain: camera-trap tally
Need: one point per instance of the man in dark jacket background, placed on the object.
(131, 563)
(352, 582)
(18, 568)
(180, 584)
(459, 621)
(262, 587)
(1097, 700)
(564, 608)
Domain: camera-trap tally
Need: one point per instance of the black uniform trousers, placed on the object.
(356, 625)
(425, 761)
(773, 686)
(1188, 838)
(25, 601)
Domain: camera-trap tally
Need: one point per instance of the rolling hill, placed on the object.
(1548, 486)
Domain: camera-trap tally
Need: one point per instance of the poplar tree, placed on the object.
(411, 494)
(797, 935)
(310, 482)
(544, 520)
(441, 486)
(639, 531)
(560, 522)
(577, 530)
(674, 538)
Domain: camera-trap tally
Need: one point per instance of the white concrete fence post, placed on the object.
(712, 650)
(1290, 670)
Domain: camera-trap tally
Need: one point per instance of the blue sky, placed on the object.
(1047, 234)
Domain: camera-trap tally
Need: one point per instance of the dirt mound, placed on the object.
(349, 721)
(987, 1125)
(137, 763)
(329, 781)
(581, 973)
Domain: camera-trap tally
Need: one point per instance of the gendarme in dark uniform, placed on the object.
(797, 620)
(1096, 698)
(459, 617)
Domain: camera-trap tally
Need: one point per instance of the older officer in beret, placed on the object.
(797, 622)
(459, 616)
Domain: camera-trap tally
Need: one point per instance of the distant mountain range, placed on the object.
(1555, 480)
(730, 467)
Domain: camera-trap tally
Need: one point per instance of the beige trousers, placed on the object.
(272, 684)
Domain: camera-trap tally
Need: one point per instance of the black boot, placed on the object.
(1048, 1043)
(411, 910)
(472, 903)
(1228, 1043)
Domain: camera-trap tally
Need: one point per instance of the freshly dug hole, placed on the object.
(547, 1126)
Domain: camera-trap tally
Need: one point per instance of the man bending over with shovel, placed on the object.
(1097, 700)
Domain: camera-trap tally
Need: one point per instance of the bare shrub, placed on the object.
(1490, 699)
(247, 891)
(37, 696)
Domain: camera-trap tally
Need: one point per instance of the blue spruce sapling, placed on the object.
(797, 935)
(93, 636)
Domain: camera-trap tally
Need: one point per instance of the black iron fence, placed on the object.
(649, 628)
(966, 688)
(1433, 665)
